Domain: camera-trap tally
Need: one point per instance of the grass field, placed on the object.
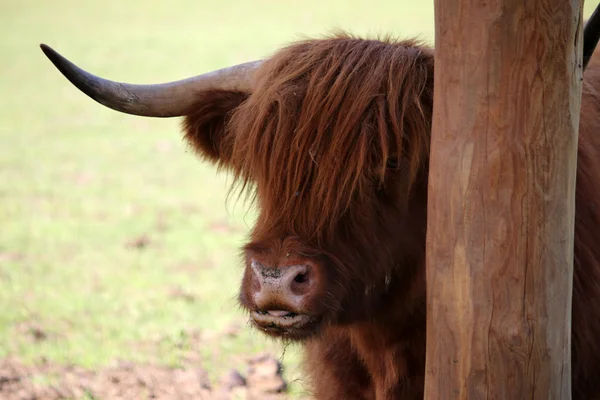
(115, 241)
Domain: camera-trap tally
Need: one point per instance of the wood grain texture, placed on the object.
(501, 199)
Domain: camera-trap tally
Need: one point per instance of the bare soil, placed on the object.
(46, 381)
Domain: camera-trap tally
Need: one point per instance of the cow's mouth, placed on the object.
(285, 323)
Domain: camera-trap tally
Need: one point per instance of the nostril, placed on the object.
(301, 282)
(301, 278)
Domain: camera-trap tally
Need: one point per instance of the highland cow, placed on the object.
(330, 138)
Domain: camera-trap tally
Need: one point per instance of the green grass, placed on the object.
(79, 181)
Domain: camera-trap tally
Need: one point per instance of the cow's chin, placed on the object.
(288, 326)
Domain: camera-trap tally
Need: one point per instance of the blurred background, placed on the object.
(118, 252)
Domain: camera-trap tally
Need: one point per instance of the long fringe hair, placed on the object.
(324, 118)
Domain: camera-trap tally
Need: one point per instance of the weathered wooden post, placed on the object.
(501, 199)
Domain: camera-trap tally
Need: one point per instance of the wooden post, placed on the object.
(501, 199)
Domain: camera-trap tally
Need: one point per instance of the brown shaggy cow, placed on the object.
(331, 139)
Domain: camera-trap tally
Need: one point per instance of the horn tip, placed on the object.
(48, 51)
(61, 63)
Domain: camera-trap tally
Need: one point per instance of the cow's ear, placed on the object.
(205, 126)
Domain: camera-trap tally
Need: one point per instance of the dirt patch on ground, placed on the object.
(261, 380)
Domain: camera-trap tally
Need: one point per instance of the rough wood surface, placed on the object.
(501, 199)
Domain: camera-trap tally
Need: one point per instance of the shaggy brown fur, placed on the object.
(333, 146)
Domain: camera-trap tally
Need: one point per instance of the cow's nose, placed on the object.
(282, 289)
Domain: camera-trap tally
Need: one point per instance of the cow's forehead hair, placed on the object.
(315, 135)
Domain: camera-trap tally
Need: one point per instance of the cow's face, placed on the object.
(332, 144)
(294, 282)
(331, 137)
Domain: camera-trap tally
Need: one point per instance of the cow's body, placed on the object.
(332, 140)
(586, 279)
(371, 346)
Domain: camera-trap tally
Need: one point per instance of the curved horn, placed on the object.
(170, 99)
(591, 35)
